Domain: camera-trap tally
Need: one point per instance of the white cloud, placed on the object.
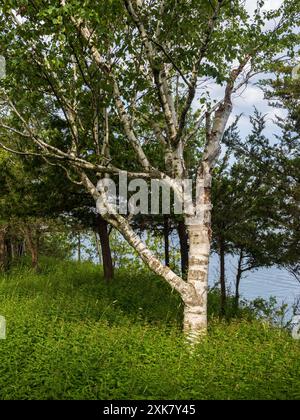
(252, 97)
(244, 103)
(269, 5)
(273, 4)
(245, 100)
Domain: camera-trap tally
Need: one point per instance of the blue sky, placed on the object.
(252, 96)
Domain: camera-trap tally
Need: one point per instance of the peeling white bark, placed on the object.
(185, 290)
(199, 226)
(195, 313)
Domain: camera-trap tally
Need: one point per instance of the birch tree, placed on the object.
(85, 82)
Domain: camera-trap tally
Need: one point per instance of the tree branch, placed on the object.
(124, 117)
(193, 83)
(159, 73)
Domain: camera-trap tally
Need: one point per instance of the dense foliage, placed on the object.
(71, 337)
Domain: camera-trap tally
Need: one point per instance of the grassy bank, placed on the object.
(69, 336)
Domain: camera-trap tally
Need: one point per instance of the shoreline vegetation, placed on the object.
(72, 336)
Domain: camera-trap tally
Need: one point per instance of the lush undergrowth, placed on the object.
(70, 336)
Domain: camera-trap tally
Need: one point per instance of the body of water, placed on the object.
(264, 282)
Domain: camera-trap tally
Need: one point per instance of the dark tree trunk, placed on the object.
(166, 241)
(79, 248)
(184, 248)
(108, 268)
(222, 278)
(9, 253)
(21, 249)
(13, 250)
(2, 250)
(238, 281)
(98, 247)
(33, 246)
(34, 258)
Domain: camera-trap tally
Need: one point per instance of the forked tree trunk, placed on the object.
(199, 228)
(193, 292)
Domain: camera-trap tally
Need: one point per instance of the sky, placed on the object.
(253, 96)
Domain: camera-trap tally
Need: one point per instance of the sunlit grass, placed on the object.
(69, 336)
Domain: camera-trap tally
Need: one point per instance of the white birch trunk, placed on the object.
(199, 227)
(199, 231)
(195, 312)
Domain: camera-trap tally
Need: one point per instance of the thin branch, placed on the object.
(13, 130)
(16, 152)
(161, 47)
(65, 169)
(200, 122)
(105, 146)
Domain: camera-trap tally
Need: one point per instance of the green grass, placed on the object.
(69, 336)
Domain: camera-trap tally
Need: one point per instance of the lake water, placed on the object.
(265, 282)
